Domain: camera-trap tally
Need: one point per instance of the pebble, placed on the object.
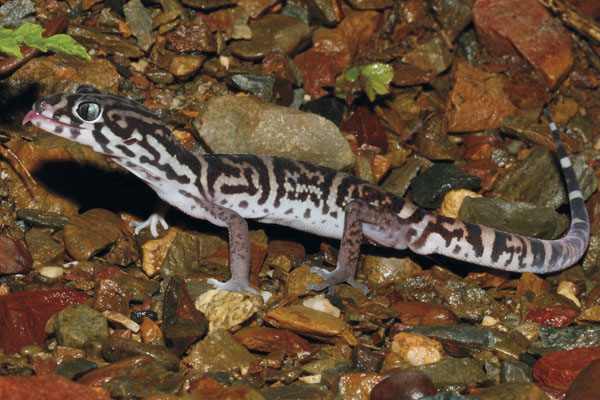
(218, 351)
(46, 387)
(226, 310)
(110, 296)
(320, 303)
(77, 324)
(312, 323)
(269, 340)
(585, 385)
(477, 100)
(42, 246)
(271, 32)
(357, 385)
(105, 373)
(116, 349)
(89, 233)
(238, 124)
(120, 320)
(381, 270)
(14, 257)
(183, 324)
(416, 313)
(405, 385)
(513, 390)
(537, 180)
(416, 349)
(430, 187)
(51, 272)
(139, 21)
(150, 332)
(514, 216)
(527, 27)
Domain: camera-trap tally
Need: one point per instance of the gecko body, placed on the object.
(228, 189)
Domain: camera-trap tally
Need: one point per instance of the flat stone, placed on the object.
(477, 101)
(226, 309)
(234, 124)
(50, 387)
(312, 323)
(526, 27)
(538, 180)
(89, 233)
(218, 351)
(77, 324)
(271, 32)
(139, 21)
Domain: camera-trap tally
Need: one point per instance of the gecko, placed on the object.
(228, 189)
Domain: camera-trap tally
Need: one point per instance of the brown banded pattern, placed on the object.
(225, 189)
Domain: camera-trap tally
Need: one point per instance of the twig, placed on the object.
(582, 24)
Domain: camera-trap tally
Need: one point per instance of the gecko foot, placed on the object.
(333, 278)
(153, 220)
(231, 286)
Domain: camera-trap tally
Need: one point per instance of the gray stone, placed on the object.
(273, 31)
(518, 217)
(537, 180)
(515, 371)
(140, 23)
(241, 125)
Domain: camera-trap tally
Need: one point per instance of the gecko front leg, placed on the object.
(239, 248)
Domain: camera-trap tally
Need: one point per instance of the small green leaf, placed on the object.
(10, 47)
(352, 74)
(31, 35)
(376, 77)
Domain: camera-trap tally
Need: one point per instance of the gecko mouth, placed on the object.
(36, 118)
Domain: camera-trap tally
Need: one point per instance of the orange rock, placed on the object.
(559, 369)
(526, 27)
(269, 340)
(416, 313)
(477, 101)
(47, 387)
(351, 37)
(530, 283)
(357, 386)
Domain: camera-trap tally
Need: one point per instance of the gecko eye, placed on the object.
(88, 111)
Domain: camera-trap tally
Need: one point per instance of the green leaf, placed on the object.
(352, 74)
(376, 77)
(10, 47)
(31, 35)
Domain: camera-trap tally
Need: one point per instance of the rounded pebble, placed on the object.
(405, 385)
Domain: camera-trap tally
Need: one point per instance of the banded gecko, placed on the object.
(227, 189)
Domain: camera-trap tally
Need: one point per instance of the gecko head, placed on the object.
(107, 123)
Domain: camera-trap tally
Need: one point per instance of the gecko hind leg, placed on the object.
(385, 228)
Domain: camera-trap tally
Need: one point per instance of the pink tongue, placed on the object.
(31, 115)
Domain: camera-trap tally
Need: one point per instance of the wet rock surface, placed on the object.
(393, 92)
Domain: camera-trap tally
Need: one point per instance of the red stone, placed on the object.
(14, 257)
(558, 316)
(527, 28)
(23, 315)
(269, 340)
(366, 127)
(585, 386)
(317, 71)
(47, 387)
(416, 313)
(559, 369)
